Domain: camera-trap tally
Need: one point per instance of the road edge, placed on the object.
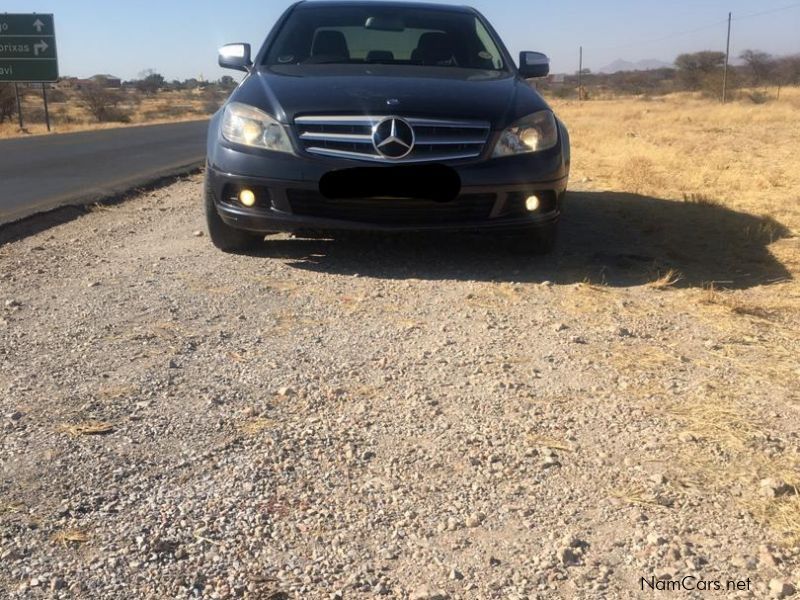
(76, 206)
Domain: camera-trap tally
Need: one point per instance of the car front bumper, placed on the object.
(492, 196)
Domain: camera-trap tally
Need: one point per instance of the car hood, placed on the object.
(435, 92)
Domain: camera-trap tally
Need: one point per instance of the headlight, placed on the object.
(534, 133)
(243, 124)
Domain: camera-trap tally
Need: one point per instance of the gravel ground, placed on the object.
(406, 417)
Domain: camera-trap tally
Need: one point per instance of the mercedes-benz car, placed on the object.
(384, 116)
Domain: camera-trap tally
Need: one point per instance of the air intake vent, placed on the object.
(464, 209)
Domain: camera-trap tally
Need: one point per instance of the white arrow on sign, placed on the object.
(40, 47)
(37, 24)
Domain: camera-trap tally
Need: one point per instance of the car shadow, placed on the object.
(617, 239)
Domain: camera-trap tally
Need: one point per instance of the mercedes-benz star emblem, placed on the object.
(393, 138)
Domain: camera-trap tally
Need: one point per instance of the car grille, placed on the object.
(351, 137)
(470, 207)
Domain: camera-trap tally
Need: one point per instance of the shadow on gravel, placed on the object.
(617, 239)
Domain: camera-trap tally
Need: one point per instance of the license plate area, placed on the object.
(437, 183)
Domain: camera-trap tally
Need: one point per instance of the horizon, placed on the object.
(178, 51)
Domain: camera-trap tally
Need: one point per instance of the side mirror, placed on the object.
(235, 56)
(533, 64)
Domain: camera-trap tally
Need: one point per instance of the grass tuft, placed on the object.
(638, 496)
(666, 281)
(735, 304)
(256, 426)
(536, 440)
(719, 419)
(71, 536)
(700, 199)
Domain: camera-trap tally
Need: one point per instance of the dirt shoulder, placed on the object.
(408, 417)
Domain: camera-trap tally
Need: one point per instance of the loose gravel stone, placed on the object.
(774, 488)
(374, 416)
(781, 589)
(475, 520)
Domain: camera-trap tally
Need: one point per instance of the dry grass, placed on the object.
(649, 359)
(783, 515)
(739, 157)
(734, 302)
(700, 199)
(719, 419)
(638, 496)
(114, 392)
(11, 507)
(737, 430)
(685, 147)
(665, 281)
(87, 428)
(542, 442)
(71, 536)
(69, 115)
(256, 426)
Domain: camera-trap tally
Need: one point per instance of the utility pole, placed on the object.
(727, 60)
(19, 107)
(580, 75)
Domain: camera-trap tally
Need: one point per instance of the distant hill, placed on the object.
(642, 65)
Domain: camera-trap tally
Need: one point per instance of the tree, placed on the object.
(102, 103)
(212, 99)
(227, 83)
(788, 70)
(150, 82)
(8, 102)
(759, 64)
(696, 70)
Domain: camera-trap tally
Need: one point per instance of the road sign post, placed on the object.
(46, 108)
(28, 53)
(19, 106)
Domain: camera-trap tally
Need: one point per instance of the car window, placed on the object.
(385, 35)
(489, 49)
(363, 43)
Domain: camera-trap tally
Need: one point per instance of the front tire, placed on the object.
(224, 237)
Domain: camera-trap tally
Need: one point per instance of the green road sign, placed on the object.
(28, 48)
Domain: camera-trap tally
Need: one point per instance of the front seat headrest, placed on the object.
(434, 48)
(330, 43)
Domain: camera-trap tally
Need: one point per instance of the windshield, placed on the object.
(385, 35)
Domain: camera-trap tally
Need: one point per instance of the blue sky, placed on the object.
(179, 38)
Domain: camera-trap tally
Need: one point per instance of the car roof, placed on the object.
(382, 4)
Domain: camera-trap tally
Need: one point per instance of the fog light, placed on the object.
(532, 203)
(248, 198)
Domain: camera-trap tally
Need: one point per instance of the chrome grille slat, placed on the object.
(377, 158)
(367, 121)
(350, 137)
(337, 137)
(448, 123)
(430, 140)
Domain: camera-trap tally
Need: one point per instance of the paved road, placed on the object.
(45, 172)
